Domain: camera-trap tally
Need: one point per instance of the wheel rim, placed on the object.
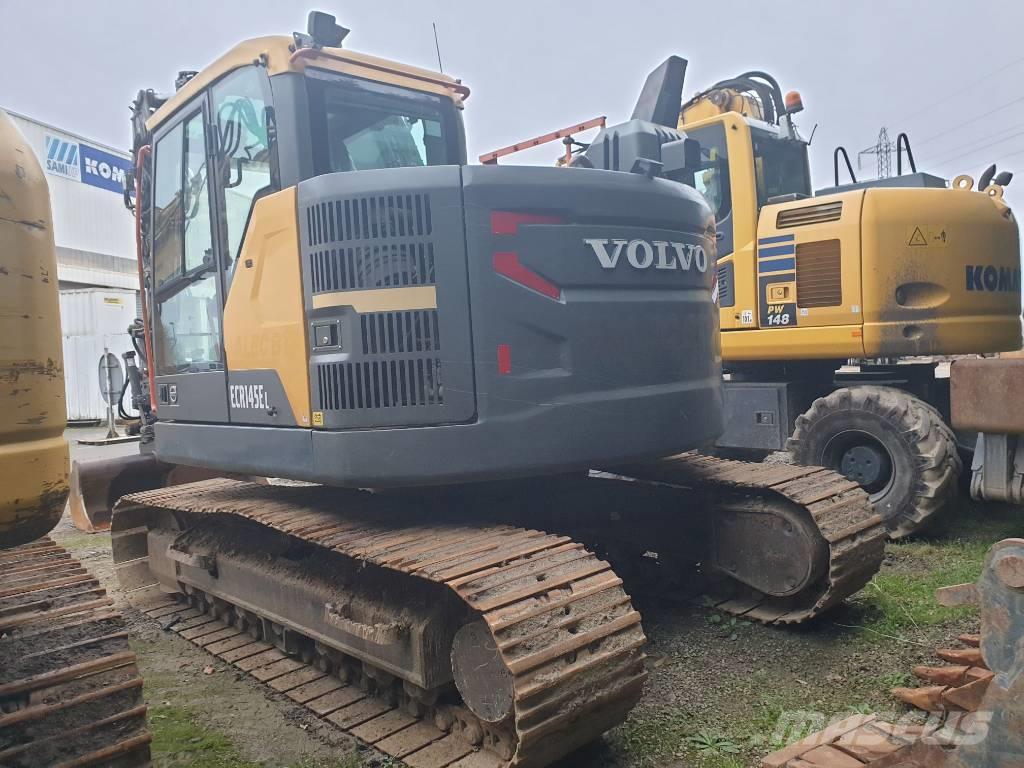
(862, 457)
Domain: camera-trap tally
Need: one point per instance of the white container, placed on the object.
(92, 319)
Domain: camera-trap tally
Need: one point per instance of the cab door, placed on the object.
(256, 317)
(726, 179)
(187, 295)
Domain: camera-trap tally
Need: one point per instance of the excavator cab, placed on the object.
(849, 271)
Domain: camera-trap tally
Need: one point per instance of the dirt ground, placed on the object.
(721, 693)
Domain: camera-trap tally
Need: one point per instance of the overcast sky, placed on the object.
(931, 68)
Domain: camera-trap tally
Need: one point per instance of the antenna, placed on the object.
(437, 47)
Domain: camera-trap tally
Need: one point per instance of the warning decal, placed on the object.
(927, 236)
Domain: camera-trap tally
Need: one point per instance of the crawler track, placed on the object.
(830, 506)
(70, 690)
(568, 639)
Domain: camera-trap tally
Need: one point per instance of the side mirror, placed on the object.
(680, 157)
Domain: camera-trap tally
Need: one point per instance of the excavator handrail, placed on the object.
(903, 141)
(849, 165)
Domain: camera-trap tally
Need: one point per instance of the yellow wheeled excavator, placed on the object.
(834, 304)
(70, 693)
(333, 297)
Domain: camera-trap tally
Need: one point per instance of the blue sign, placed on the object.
(102, 169)
(62, 157)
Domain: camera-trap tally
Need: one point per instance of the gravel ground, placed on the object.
(717, 693)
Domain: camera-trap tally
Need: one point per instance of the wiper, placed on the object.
(176, 285)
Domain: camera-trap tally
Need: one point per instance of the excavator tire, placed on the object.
(896, 445)
(70, 690)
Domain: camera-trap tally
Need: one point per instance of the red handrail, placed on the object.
(491, 158)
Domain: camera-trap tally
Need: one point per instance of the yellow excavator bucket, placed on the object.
(33, 452)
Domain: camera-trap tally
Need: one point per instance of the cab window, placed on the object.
(358, 126)
(167, 213)
(780, 166)
(187, 308)
(244, 162)
(711, 177)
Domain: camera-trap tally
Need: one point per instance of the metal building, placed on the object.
(96, 266)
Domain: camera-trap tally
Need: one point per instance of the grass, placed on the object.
(182, 736)
(661, 733)
(756, 715)
(901, 598)
(179, 739)
(656, 738)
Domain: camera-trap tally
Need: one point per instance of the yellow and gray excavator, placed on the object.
(70, 692)
(335, 299)
(835, 304)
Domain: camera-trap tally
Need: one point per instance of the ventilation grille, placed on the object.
(389, 332)
(726, 294)
(369, 218)
(343, 255)
(380, 384)
(378, 266)
(819, 274)
(809, 214)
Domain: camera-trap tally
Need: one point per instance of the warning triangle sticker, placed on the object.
(917, 238)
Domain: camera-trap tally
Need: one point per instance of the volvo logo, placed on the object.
(643, 254)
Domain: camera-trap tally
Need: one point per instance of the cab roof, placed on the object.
(279, 54)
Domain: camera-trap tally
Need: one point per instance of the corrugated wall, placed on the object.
(92, 319)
